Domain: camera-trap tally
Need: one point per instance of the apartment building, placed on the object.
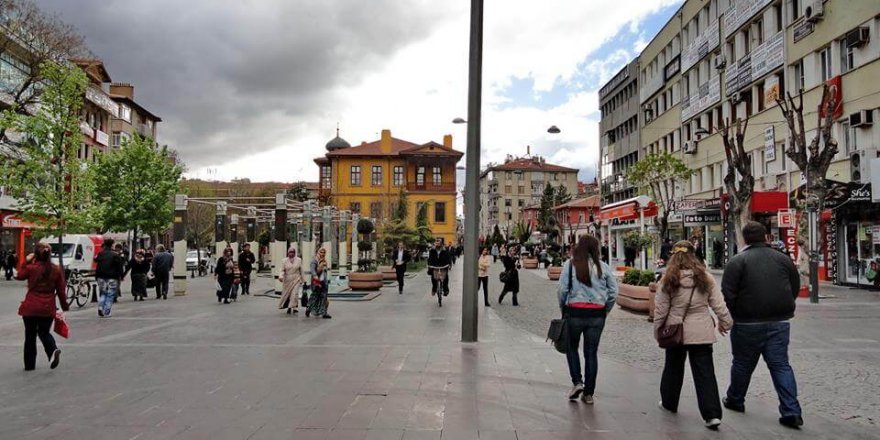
(132, 117)
(619, 129)
(97, 111)
(507, 189)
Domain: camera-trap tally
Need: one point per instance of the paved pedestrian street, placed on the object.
(390, 368)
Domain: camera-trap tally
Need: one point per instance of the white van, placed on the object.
(78, 251)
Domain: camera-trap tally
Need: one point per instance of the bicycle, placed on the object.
(79, 289)
(439, 274)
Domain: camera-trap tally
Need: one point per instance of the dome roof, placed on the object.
(337, 143)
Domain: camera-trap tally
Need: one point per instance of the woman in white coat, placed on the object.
(292, 279)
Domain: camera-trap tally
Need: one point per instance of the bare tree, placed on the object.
(739, 182)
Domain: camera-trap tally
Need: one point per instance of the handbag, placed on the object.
(558, 331)
(61, 327)
(504, 276)
(670, 336)
(304, 299)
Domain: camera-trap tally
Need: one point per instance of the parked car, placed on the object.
(192, 259)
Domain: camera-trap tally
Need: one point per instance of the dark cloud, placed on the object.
(228, 76)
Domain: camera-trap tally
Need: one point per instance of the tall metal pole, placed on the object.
(472, 177)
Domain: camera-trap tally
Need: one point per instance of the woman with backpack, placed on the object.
(587, 292)
(685, 295)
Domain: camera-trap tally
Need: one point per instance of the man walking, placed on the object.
(246, 260)
(760, 286)
(109, 268)
(162, 264)
(399, 259)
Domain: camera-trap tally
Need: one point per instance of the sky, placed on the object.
(255, 89)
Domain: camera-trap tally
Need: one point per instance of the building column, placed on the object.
(233, 234)
(327, 233)
(278, 246)
(308, 247)
(179, 247)
(342, 235)
(250, 230)
(220, 229)
(355, 253)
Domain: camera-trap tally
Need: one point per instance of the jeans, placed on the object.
(703, 371)
(161, 284)
(484, 281)
(107, 290)
(770, 340)
(591, 328)
(37, 326)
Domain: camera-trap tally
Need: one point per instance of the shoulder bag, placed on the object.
(558, 331)
(670, 336)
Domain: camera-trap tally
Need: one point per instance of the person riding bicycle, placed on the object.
(439, 257)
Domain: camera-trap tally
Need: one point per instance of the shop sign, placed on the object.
(771, 90)
(769, 144)
(860, 193)
(700, 47)
(702, 218)
(758, 63)
(789, 237)
(786, 218)
(672, 68)
(802, 29)
(834, 99)
(831, 247)
(707, 95)
(694, 204)
(875, 235)
(740, 12)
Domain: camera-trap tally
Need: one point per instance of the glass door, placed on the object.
(851, 256)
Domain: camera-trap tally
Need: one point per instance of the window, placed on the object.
(355, 175)
(420, 176)
(437, 176)
(846, 57)
(326, 176)
(376, 209)
(849, 138)
(795, 10)
(398, 176)
(125, 113)
(376, 179)
(115, 139)
(519, 175)
(520, 203)
(825, 63)
(507, 202)
(440, 212)
(520, 189)
(798, 70)
(13, 72)
(355, 207)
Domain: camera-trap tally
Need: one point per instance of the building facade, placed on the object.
(578, 217)
(367, 179)
(506, 189)
(619, 131)
(132, 117)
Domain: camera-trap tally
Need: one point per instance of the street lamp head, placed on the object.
(459, 121)
(553, 129)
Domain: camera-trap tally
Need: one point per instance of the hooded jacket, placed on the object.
(699, 326)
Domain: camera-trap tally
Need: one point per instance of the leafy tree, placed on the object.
(497, 238)
(365, 227)
(423, 229)
(657, 173)
(562, 196)
(739, 182)
(49, 182)
(396, 229)
(545, 212)
(522, 232)
(401, 211)
(298, 192)
(134, 186)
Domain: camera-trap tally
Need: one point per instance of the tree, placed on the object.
(365, 227)
(46, 38)
(298, 192)
(48, 180)
(134, 187)
(545, 212)
(522, 231)
(739, 182)
(562, 196)
(396, 229)
(497, 238)
(657, 173)
(423, 229)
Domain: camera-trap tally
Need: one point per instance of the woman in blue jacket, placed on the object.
(587, 292)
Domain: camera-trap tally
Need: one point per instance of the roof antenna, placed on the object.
(337, 128)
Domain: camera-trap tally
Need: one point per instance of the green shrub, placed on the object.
(647, 277)
(636, 277)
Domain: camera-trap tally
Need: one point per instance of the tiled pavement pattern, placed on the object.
(391, 368)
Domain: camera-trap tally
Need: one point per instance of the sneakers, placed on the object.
(575, 392)
(55, 359)
(664, 408)
(588, 399)
(100, 313)
(793, 422)
(732, 406)
(713, 424)
(326, 316)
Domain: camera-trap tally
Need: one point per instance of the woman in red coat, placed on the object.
(45, 282)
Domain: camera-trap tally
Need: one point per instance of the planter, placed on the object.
(530, 263)
(388, 272)
(553, 272)
(365, 280)
(635, 298)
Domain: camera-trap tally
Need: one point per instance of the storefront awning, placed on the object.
(628, 210)
(769, 202)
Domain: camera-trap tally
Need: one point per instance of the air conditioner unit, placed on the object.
(860, 164)
(858, 37)
(815, 11)
(690, 147)
(735, 98)
(862, 118)
(720, 62)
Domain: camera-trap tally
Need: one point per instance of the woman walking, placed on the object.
(587, 292)
(224, 273)
(138, 266)
(292, 279)
(686, 293)
(318, 301)
(510, 276)
(484, 262)
(45, 282)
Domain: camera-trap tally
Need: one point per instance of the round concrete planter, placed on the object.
(365, 280)
(388, 272)
(530, 263)
(635, 298)
(553, 272)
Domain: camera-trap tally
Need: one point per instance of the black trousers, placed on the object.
(703, 371)
(161, 284)
(401, 271)
(37, 326)
(8, 273)
(445, 284)
(484, 281)
(246, 282)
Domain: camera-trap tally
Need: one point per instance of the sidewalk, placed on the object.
(391, 368)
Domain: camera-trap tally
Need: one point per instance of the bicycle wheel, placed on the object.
(71, 294)
(82, 295)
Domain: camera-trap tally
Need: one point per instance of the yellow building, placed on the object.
(367, 179)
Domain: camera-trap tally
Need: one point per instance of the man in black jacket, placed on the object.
(109, 268)
(163, 262)
(760, 286)
(246, 260)
(399, 259)
(439, 257)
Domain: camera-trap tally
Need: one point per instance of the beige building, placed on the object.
(507, 188)
(132, 117)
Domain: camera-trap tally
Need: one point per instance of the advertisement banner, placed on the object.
(834, 99)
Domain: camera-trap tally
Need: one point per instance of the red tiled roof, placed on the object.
(374, 149)
(531, 165)
(586, 202)
(432, 148)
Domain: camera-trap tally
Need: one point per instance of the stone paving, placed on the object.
(390, 368)
(835, 348)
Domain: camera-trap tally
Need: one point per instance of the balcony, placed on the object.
(144, 130)
(430, 187)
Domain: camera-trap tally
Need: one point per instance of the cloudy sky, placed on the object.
(255, 88)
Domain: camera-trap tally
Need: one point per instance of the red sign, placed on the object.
(834, 99)
(786, 218)
(789, 237)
